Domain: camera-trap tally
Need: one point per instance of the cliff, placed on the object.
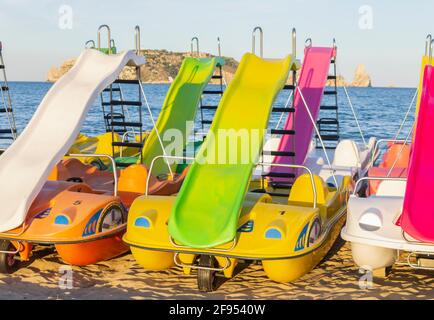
(161, 67)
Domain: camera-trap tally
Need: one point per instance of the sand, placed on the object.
(335, 278)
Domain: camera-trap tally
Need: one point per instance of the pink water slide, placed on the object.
(312, 81)
(417, 218)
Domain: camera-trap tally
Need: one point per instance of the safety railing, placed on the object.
(361, 180)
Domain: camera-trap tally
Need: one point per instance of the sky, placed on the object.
(387, 36)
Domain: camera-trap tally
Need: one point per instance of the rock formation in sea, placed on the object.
(161, 67)
(361, 77)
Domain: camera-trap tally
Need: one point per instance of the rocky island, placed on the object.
(162, 67)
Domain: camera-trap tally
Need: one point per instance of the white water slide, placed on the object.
(26, 164)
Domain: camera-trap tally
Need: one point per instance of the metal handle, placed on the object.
(430, 50)
(219, 50)
(261, 41)
(109, 39)
(113, 163)
(260, 164)
(428, 44)
(376, 147)
(308, 42)
(294, 42)
(90, 42)
(356, 187)
(193, 40)
(137, 39)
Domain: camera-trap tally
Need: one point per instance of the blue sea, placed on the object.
(380, 110)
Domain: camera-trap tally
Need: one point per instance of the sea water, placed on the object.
(380, 110)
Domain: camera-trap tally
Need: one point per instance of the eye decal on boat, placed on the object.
(247, 227)
(301, 239)
(90, 228)
(142, 222)
(62, 219)
(273, 233)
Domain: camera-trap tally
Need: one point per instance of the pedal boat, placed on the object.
(289, 235)
(398, 218)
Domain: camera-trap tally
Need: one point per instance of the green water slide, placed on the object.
(206, 210)
(179, 107)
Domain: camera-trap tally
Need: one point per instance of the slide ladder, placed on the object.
(208, 105)
(6, 109)
(293, 147)
(328, 126)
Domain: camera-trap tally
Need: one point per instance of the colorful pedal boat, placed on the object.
(81, 215)
(288, 235)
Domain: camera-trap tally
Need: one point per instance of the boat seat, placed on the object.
(302, 190)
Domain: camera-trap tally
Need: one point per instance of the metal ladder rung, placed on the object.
(127, 81)
(279, 175)
(213, 92)
(279, 153)
(330, 92)
(209, 107)
(122, 103)
(112, 89)
(282, 131)
(328, 137)
(137, 145)
(4, 88)
(4, 110)
(283, 109)
(328, 108)
(126, 124)
(288, 87)
(6, 131)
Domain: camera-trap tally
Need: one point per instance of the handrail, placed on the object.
(104, 26)
(308, 42)
(356, 187)
(89, 42)
(258, 164)
(261, 41)
(294, 42)
(376, 147)
(113, 163)
(219, 50)
(194, 39)
(430, 50)
(137, 38)
(428, 45)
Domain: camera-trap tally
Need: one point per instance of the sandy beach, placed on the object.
(121, 278)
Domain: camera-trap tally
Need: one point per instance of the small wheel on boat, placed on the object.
(97, 163)
(8, 261)
(206, 279)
